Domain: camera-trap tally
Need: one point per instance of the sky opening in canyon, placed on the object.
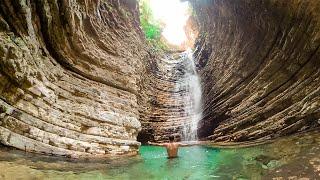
(174, 15)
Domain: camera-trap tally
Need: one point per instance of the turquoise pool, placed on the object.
(295, 157)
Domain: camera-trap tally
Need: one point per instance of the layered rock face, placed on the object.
(70, 72)
(77, 79)
(170, 108)
(259, 62)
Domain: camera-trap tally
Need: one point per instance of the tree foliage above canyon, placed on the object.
(151, 27)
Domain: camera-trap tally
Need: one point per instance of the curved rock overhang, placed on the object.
(77, 79)
(70, 75)
(260, 68)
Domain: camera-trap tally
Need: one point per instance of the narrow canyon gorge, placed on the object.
(78, 79)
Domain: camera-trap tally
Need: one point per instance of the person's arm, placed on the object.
(156, 144)
(189, 144)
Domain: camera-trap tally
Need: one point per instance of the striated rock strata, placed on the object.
(169, 109)
(259, 62)
(70, 72)
(77, 79)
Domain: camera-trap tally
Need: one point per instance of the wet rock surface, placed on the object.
(69, 76)
(300, 162)
(170, 105)
(259, 62)
(285, 158)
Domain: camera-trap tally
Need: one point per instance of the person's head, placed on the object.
(171, 138)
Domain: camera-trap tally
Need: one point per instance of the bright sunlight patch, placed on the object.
(164, 18)
(174, 15)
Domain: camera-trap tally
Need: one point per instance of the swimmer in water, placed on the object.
(172, 147)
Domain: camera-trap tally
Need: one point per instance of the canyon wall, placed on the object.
(70, 74)
(169, 109)
(77, 78)
(259, 63)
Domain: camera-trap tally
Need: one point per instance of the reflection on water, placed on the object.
(294, 157)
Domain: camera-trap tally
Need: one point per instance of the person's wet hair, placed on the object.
(171, 138)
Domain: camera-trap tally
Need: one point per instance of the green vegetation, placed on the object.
(3, 109)
(151, 27)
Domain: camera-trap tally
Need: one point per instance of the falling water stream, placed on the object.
(191, 83)
(294, 157)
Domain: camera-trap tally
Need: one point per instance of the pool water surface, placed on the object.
(292, 157)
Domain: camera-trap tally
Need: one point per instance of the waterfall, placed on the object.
(191, 84)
